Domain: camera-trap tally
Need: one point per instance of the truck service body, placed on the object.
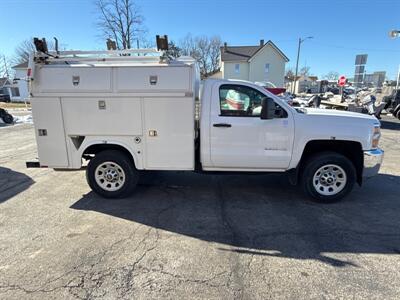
(150, 113)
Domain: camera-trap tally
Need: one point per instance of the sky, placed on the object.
(340, 29)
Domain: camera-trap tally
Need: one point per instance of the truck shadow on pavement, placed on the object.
(12, 183)
(263, 215)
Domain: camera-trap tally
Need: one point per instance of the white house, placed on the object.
(304, 84)
(20, 73)
(265, 62)
(7, 87)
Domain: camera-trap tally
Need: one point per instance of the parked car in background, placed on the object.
(5, 116)
(269, 86)
(334, 90)
(5, 98)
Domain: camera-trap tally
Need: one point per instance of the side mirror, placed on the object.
(267, 109)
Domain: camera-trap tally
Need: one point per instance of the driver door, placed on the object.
(239, 139)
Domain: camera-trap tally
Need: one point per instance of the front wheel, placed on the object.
(112, 174)
(328, 177)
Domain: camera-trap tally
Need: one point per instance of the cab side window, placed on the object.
(243, 101)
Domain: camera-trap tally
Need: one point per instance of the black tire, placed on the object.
(8, 119)
(317, 161)
(398, 114)
(121, 161)
(395, 111)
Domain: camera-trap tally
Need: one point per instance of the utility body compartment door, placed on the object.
(49, 130)
(169, 133)
(239, 139)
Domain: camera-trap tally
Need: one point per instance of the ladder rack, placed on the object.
(129, 55)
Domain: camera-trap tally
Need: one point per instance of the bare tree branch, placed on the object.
(332, 75)
(23, 50)
(26, 47)
(121, 21)
(5, 67)
(304, 71)
(206, 50)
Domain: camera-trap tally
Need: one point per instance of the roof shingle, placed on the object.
(238, 53)
(23, 65)
(244, 53)
(4, 81)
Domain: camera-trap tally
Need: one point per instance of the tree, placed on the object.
(26, 47)
(206, 50)
(121, 21)
(332, 75)
(5, 67)
(304, 71)
(173, 50)
(23, 50)
(215, 52)
(289, 73)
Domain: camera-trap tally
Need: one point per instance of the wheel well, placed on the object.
(94, 149)
(350, 149)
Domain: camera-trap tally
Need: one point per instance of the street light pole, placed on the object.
(395, 34)
(297, 61)
(297, 67)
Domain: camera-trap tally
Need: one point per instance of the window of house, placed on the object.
(15, 92)
(266, 68)
(237, 68)
(243, 101)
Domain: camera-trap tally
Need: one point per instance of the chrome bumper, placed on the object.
(372, 162)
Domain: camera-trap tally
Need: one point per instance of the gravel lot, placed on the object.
(184, 235)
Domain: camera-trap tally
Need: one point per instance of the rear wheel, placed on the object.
(112, 174)
(328, 177)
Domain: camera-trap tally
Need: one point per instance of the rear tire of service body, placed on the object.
(112, 174)
(327, 177)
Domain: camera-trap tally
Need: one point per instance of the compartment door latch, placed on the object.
(153, 133)
(75, 80)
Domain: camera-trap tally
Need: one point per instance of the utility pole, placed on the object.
(297, 67)
(297, 61)
(395, 33)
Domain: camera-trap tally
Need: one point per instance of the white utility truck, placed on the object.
(127, 113)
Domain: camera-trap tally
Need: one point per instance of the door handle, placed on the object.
(222, 125)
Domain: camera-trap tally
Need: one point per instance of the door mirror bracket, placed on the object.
(267, 109)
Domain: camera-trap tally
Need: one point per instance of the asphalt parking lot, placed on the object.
(184, 235)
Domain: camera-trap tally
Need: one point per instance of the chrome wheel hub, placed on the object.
(329, 180)
(110, 176)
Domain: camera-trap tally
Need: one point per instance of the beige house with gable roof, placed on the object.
(265, 62)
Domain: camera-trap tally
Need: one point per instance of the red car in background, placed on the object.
(269, 86)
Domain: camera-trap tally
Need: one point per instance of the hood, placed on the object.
(338, 113)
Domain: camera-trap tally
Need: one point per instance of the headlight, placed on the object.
(376, 135)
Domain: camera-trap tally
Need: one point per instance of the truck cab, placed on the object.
(234, 136)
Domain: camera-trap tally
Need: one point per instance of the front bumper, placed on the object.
(372, 162)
